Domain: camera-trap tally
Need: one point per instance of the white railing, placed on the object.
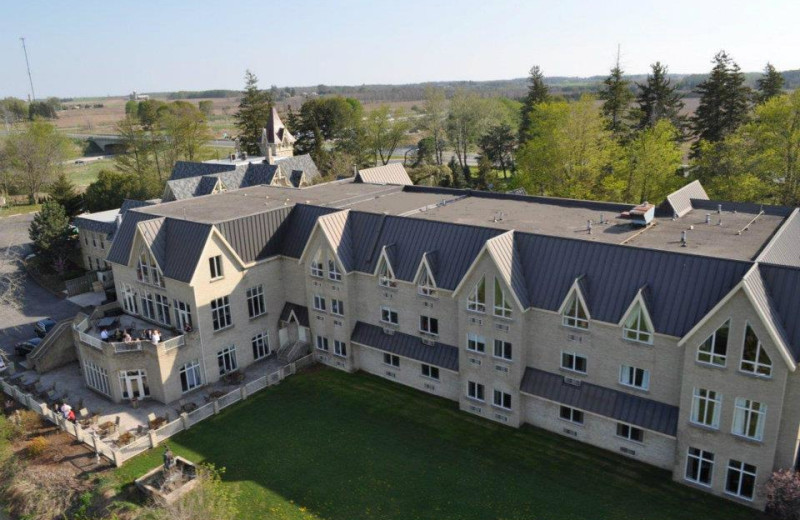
(119, 454)
(121, 348)
(174, 342)
(91, 340)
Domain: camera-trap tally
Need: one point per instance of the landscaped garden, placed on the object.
(326, 444)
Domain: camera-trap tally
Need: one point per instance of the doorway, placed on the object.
(134, 384)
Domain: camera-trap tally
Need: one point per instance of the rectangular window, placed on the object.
(706, 405)
(475, 391)
(501, 399)
(183, 315)
(96, 378)
(94, 240)
(749, 418)
(389, 315)
(391, 359)
(337, 307)
(333, 270)
(162, 309)
(226, 360)
(632, 433)
(316, 267)
(260, 343)
(322, 343)
(634, 377)
(221, 313)
(476, 301)
(699, 465)
(255, 301)
(339, 348)
(215, 266)
(147, 269)
(574, 362)
(319, 303)
(476, 343)
(429, 325)
(129, 302)
(741, 479)
(190, 376)
(571, 414)
(148, 305)
(430, 371)
(502, 349)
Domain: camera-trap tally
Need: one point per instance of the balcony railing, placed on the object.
(122, 347)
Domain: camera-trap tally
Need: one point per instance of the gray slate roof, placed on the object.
(94, 225)
(129, 204)
(300, 312)
(185, 169)
(406, 345)
(621, 406)
(299, 163)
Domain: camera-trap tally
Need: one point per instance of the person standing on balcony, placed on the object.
(104, 334)
(156, 337)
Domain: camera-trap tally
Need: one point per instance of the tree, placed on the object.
(131, 107)
(484, 173)
(137, 157)
(769, 85)
(50, 232)
(658, 99)
(385, 130)
(783, 494)
(537, 93)
(434, 120)
(498, 145)
(723, 104)
(186, 130)
(431, 175)
(63, 192)
(35, 155)
(13, 110)
(336, 120)
(110, 190)
(41, 109)
(206, 107)
(653, 161)
(254, 110)
(617, 97)
(727, 171)
(467, 120)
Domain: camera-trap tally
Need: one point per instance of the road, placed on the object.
(472, 158)
(22, 300)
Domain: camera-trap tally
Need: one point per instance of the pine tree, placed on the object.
(63, 192)
(537, 93)
(658, 99)
(770, 84)
(723, 102)
(49, 231)
(254, 110)
(617, 97)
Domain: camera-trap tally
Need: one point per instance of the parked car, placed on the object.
(24, 348)
(42, 327)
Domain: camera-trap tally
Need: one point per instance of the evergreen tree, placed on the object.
(498, 145)
(537, 93)
(617, 97)
(723, 102)
(63, 192)
(484, 172)
(658, 99)
(50, 232)
(254, 110)
(769, 85)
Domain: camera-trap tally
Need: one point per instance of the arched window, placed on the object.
(425, 284)
(333, 268)
(316, 265)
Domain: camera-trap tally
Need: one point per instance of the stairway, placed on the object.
(291, 352)
(56, 349)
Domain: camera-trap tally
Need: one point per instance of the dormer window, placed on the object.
(755, 359)
(425, 285)
(385, 275)
(147, 269)
(333, 269)
(637, 326)
(714, 350)
(316, 266)
(476, 301)
(575, 314)
(502, 308)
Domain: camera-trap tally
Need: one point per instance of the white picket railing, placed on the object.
(119, 454)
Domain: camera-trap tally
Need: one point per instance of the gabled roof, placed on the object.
(617, 405)
(129, 204)
(185, 169)
(252, 237)
(781, 285)
(299, 311)
(509, 267)
(406, 345)
(155, 236)
(392, 173)
(123, 240)
(334, 225)
(276, 131)
(679, 202)
(293, 167)
(292, 236)
(784, 247)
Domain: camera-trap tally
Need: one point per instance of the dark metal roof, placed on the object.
(123, 240)
(185, 169)
(184, 244)
(291, 237)
(741, 207)
(784, 248)
(783, 286)
(617, 405)
(250, 236)
(681, 288)
(129, 204)
(406, 345)
(300, 312)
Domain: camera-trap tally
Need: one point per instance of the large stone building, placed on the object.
(667, 334)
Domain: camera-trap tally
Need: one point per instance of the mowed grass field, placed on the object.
(326, 444)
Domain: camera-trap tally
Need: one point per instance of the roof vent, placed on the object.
(708, 218)
(640, 215)
(602, 219)
(719, 208)
(719, 222)
(589, 226)
(683, 238)
(232, 157)
(674, 215)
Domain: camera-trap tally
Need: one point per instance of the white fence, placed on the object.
(119, 454)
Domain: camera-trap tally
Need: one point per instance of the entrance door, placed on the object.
(283, 336)
(134, 384)
(302, 334)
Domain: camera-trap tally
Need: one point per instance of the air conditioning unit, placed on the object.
(501, 326)
(428, 341)
(430, 387)
(475, 361)
(572, 381)
(476, 321)
(337, 323)
(475, 409)
(390, 374)
(501, 368)
(501, 417)
(573, 433)
(627, 451)
(388, 331)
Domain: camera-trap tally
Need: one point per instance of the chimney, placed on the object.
(270, 156)
(719, 208)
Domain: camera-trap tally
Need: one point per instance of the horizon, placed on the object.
(166, 47)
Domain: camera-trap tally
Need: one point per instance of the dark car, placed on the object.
(42, 327)
(24, 348)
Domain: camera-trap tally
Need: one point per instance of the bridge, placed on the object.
(111, 143)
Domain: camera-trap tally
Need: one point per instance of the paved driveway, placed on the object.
(25, 301)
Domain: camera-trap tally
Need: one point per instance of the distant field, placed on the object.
(84, 174)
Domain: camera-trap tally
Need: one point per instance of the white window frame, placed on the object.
(574, 415)
(476, 391)
(629, 432)
(432, 371)
(392, 360)
(256, 306)
(147, 269)
(322, 343)
(129, 302)
(502, 303)
(425, 283)
(386, 276)
(339, 348)
(191, 376)
(260, 345)
(703, 459)
(148, 305)
(571, 317)
(475, 302)
(183, 315)
(759, 367)
(226, 360)
(499, 398)
(743, 470)
(317, 270)
(629, 375)
(637, 326)
(319, 303)
(707, 351)
(334, 273)
(478, 341)
(221, 317)
(96, 378)
(387, 313)
(749, 415)
(503, 349)
(704, 400)
(337, 307)
(163, 309)
(569, 361)
(428, 325)
(215, 267)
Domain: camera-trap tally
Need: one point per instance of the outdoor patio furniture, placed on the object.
(16, 377)
(186, 406)
(216, 394)
(84, 418)
(107, 428)
(108, 322)
(234, 378)
(125, 438)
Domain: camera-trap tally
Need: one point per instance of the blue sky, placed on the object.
(89, 48)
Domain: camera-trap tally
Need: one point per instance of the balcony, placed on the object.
(89, 330)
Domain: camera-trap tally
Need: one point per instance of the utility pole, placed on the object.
(27, 64)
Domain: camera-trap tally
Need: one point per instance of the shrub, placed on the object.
(30, 421)
(783, 494)
(40, 491)
(37, 447)
(209, 499)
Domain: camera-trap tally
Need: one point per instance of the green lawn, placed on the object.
(85, 174)
(19, 210)
(326, 444)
